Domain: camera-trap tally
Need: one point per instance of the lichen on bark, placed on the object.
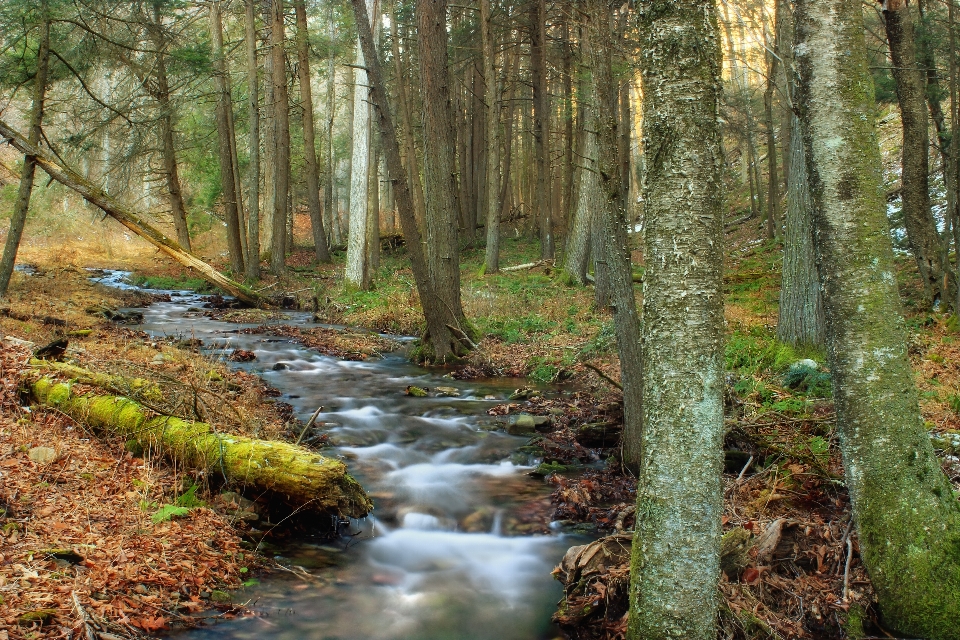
(907, 517)
(675, 560)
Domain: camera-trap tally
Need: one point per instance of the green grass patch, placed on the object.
(177, 283)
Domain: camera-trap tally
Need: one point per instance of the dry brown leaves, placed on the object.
(95, 500)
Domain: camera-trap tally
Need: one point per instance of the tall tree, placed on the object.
(357, 270)
(281, 138)
(675, 558)
(492, 254)
(159, 88)
(253, 175)
(21, 206)
(311, 170)
(443, 255)
(443, 337)
(225, 135)
(915, 184)
(800, 321)
(541, 124)
(907, 516)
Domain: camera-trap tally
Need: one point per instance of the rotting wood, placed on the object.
(70, 178)
(305, 479)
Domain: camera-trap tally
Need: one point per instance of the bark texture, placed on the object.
(311, 170)
(306, 479)
(225, 133)
(357, 271)
(437, 317)
(18, 218)
(801, 321)
(492, 202)
(541, 125)
(253, 176)
(281, 139)
(675, 558)
(907, 517)
(915, 166)
(443, 255)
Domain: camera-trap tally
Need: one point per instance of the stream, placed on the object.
(447, 553)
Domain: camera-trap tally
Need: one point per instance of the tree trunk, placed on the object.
(311, 170)
(18, 218)
(168, 150)
(357, 271)
(443, 256)
(269, 137)
(303, 478)
(576, 258)
(676, 549)
(70, 178)
(915, 192)
(373, 211)
(329, 207)
(492, 254)
(541, 125)
(224, 106)
(801, 321)
(567, 173)
(253, 174)
(281, 115)
(439, 317)
(907, 516)
(406, 126)
(773, 180)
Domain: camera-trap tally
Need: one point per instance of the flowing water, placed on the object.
(444, 554)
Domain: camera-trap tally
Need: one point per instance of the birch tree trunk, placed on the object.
(492, 254)
(269, 137)
(329, 207)
(675, 558)
(253, 173)
(18, 218)
(357, 271)
(224, 107)
(915, 166)
(311, 170)
(281, 115)
(907, 516)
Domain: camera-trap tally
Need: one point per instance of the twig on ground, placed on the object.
(600, 373)
(309, 424)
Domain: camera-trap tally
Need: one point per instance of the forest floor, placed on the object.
(791, 563)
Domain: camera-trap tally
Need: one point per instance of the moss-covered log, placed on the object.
(307, 480)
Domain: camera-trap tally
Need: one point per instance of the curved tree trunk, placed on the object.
(907, 516)
(915, 166)
(676, 549)
(18, 218)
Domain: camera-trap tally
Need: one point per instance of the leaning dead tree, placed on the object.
(70, 178)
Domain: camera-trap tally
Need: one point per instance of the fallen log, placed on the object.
(70, 178)
(307, 481)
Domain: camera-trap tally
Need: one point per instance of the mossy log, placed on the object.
(306, 480)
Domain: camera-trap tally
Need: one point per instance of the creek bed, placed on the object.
(457, 546)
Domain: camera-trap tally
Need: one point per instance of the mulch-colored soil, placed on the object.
(77, 536)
